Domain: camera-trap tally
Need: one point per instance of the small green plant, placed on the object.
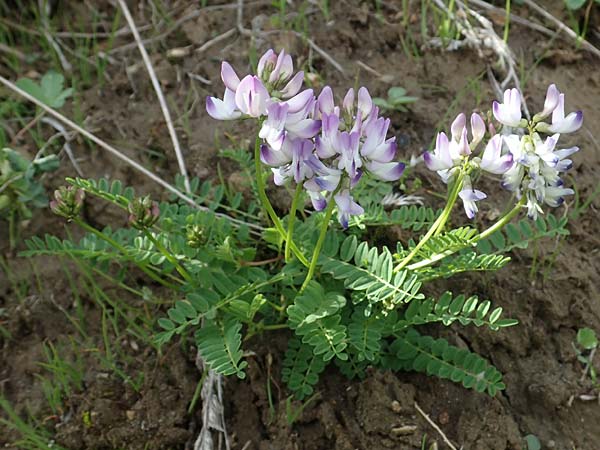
(532, 443)
(50, 90)
(396, 100)
(237, 267)
(20, 187)
(575, 5)
(587, 344)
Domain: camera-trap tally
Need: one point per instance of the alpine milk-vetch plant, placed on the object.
(238, 267)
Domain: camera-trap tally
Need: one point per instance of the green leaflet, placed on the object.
(301, 368)
(448, 309)
(520, 234)
(220, 346)
(469, 261)
(437, 357)
(372, 275)
(315, 317)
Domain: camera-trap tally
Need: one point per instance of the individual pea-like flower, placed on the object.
(550, 103)
(290, 161)
(346, 207)
(509, 112)
(68, 201)
(449, 154)
(289, 118)
(378, 152)
(470, 197)
(251, 96)
(276, 70)
(492, 159)
(440, 159)
(349, 159)
(561, 124)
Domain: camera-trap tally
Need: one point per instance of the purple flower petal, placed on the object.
(390, 171)
(457, 127)
(365, 104)
(229, 77)
(293, 86)
(325, 101)
(477, 129)
(272, 157)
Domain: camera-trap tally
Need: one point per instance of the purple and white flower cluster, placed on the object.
(308, 139)
(530, 164)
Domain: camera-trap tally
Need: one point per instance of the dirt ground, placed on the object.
(541, 370)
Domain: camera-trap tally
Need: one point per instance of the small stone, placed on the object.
(396, 407)
(444, 418)
(130, 414)
(403, 430)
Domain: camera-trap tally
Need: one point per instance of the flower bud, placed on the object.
(68, 201)
(196, 236)
(143, 212)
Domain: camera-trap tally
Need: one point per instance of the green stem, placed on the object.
(438, 224)
(507, 21)
(161, 248)
(487, 233)
(262, 195)
(321, 240)
(292, 221)
(12, 229)
(124, 251)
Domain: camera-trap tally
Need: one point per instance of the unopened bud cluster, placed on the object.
(143, 212)
(68, 201)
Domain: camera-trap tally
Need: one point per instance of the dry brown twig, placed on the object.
(435, 427)
(66, 146)
(159, 94)
(66, 65)
(562, 27)
(480, 37)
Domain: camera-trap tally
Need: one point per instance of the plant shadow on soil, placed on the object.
(537, 358)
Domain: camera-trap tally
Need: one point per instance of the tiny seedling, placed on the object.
(396, 100)
(50, 90)
(587, 344)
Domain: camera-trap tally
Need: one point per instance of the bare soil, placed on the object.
(541, 370)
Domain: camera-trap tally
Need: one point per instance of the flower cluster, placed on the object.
(530, 164)
(314, 142)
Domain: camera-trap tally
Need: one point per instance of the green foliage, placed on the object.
(396, 99)
(364, 335)
(357, 311)
(315, 317)
(521, 234)
(438, 358)
(49, 91)
(409, 217)
(450, 241)
(369, 272)
(20, 187)
(577, 4)
(468, 261)
(586, 337)
(220, 346)
(448, 309)
(301, 368)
